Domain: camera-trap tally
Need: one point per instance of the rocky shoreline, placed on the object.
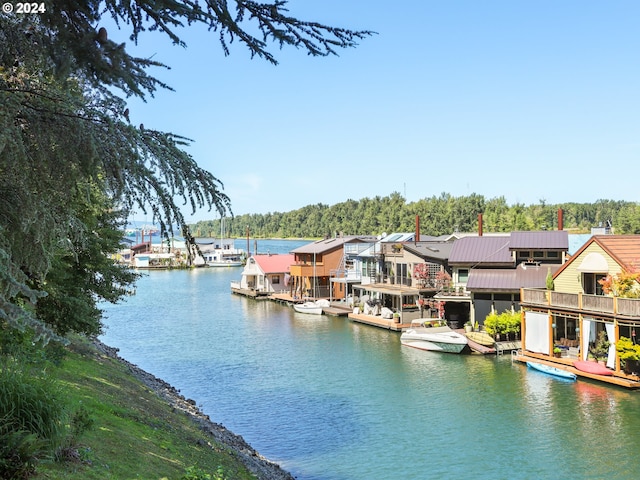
(263, 468)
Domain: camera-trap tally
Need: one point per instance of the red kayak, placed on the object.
(592, 367)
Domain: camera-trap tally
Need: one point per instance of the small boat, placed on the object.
(439, 339)
(548, 369)
(483, 338)
(592, 367)
(313, 308)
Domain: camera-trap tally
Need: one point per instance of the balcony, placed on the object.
(588, 304)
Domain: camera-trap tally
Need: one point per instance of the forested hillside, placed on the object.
(438, 215)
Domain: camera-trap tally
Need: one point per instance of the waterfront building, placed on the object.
(488, 271)
(266, 274)
(582, 315)
(316, 262)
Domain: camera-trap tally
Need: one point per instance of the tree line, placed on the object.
(438, 215)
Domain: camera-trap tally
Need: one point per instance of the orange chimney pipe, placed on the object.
(417, 228)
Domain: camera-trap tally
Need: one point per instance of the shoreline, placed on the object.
(261, 467)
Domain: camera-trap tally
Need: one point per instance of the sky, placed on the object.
(530, 100)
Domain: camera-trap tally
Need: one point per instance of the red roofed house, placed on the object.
(267, 273)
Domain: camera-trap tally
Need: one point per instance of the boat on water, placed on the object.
(223, 258)
(439, 339)
(548, 369)
(483, 338)
(312, 308)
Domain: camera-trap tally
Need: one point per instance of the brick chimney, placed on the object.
(479, 224)
(560, 220)
(417, 228)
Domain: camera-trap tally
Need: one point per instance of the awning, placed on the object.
(594, 263)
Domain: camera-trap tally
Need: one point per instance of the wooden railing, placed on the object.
(566, 300)
(629, 307)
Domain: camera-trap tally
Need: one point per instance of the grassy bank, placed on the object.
(142, 428)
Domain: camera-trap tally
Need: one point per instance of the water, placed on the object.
(329, 399)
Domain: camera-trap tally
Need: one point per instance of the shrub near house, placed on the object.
(506, 325)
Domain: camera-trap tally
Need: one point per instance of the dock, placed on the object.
(378, 321)
(564, 363)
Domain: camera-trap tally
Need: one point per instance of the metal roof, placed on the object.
(509, 279)
(328, 244)
(428, 249)
(542, 240)
(493, 250)
(274, 263)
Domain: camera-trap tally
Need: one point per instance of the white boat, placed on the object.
(221, 252)
(548, 369)
(223, 258)
(313, 308)
(439, 339)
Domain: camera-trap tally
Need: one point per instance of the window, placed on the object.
(591, 284)
(463, 275)
(275, 280)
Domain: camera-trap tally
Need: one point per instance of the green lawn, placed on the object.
(134, 433)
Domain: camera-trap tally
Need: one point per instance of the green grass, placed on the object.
(134, 433)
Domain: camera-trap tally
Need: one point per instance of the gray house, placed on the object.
(490, 270)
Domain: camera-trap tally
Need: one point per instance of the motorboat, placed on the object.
(426, 337)
(313, 308)
(548, 369)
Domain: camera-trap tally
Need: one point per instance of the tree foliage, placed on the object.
(439, 215)
(65, 131)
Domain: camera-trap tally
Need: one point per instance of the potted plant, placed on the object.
(468, 327)
(557, 352)
(396, 317)
(491, 325)
(629, 354)
(600, 349)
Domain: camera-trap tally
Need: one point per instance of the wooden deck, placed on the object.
(378, 321)
(566, 363)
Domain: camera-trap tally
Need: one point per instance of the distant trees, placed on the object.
(439, 215)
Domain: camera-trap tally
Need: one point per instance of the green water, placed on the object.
(334, 400)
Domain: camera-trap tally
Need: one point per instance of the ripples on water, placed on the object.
(333, 400)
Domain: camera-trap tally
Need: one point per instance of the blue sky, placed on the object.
(528, 100)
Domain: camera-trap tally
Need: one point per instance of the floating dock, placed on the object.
(566, 364)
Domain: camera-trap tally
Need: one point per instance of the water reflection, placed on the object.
(334, 400)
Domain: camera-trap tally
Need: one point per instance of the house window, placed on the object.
(591, 284)
(553, 254)
(275, 280)
(463, 275)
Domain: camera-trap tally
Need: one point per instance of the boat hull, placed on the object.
(310, 308)
(437, 339)
(483, 338)
(549, 370)
(224, 264)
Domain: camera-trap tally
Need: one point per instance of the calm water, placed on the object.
(334, 400)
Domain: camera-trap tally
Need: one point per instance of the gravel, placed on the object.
(260, 466)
